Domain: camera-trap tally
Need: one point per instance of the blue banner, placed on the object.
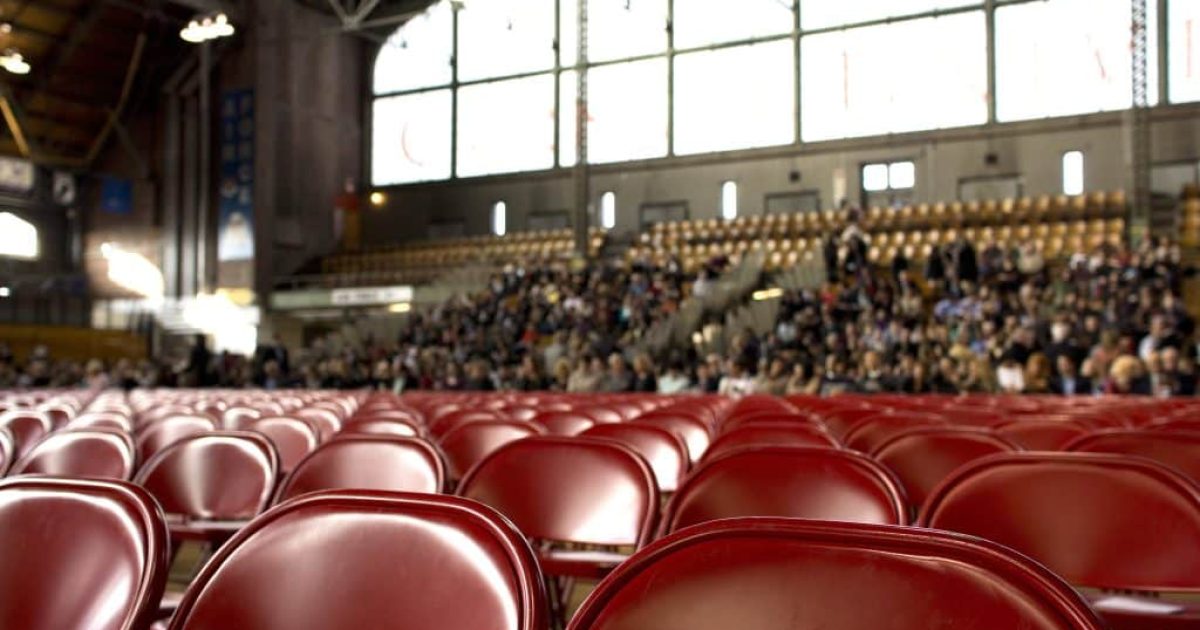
(116, 195)
(235, 228)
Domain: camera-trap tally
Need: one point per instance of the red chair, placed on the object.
(1102, 521)
(152, 438)
(867, 434)
(695, 433)
(27, 428)
(565, 423)
(443, 424)
(87, 453)
(469, 444)
(370, 560)
(787, 573)
(1180, 450)
(238, 418)
(770, 434)
(665, 451)
(600, 415)
(1042, 435)
(327, 421)
(392, 427)
(760, 417)
(212, 483)
(79, 555)
(922, 457)
(294, 438)
(1190, 424)
(839, 420)
(60, 415)
(368, 462)
(794, 481)
(570, 490)
(103, 419)
(7, 451)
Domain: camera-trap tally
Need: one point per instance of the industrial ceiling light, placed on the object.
(12, 61)
(207, 28)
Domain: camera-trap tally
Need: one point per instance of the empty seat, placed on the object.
(922, 457)
(7, 451)
(381, 426)
(770, 434)
(368, 462)
(103, 419)
(370, 560)
(1098, 520)
(210, 484)
(694, 432)
(90, 453)
(868, 433)
(238, 418)
(27, 428)
(154, 437)
(1042, 435)
(570, 490)
(1179, 450)
(469, 444)
(327, 421)
(294, 438)
(664, 450)
(785, 573)
(793, 481)
(566, 423)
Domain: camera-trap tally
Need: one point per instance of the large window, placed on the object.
(703, 22)
(920, 74)
(1064, 57)
(506, 126)
(627, 112)
(18, 237)
(826, 13)
(617, 29)
(505, 37)
(722, 102)
(419, 55)
(411, 139)
(1183, 44)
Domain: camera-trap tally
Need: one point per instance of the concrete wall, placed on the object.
(1034, 150)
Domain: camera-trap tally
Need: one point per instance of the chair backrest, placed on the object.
(665, 451)
(1042, 435)
(106, 419)
(443, 424)
(469, 444)
(294, 438)
(8, 451)
(695, 433)
(1106, 521)
(158, 435)
(368, 462)
(240, 417)
(565, 423)
(393, 427)
(922, 457)
(759, 417)
(27, 428)
(787, 573)
(1177, 449)
(221, 476)
(839, 420)
(80, 555)
(867, 434)
(370, 560)
(328, 421)
(581, 490)
(794, 481)
(770, 434)
(90, 453)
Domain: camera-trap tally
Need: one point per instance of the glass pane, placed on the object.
(621, 127)
(1072, 175)
(505, 37)
(1184, 50)
(411, 138)
(18, 237)
(875, 177)
(617, 29)
(608, 210)
(702, 22)
(902, 175)
(729, 201)
(1064, 57)
(418, 54)
(823, 13)
(500, 218)
(506, 126)
(910, 76)
(720, 106)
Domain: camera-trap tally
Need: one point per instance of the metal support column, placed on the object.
(1139, 125)
(581, 215)
(203, 210)
(989, 11)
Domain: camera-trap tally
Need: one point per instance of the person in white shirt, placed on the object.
(737, 381)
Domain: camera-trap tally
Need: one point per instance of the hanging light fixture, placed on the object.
(12, 61)
(207, 28)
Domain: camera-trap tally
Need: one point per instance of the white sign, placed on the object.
(16, 174)
(363, 296)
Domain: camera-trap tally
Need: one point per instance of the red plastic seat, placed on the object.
(1098, 520)
(368, 462)
(922, 457)
(1190, 424)
(87, 453)
(294, 438)
(794, 481)
(154, 437)
(695, 433)
(469, 444)
(599, 415)
(7, 451)
(79, 555)
(771, 573)
(840, 420)
(867, 434)
(327, 421)
(104, 419)
(27, 428)
(443, 424)
(565, 423)
(761, 417)
(390, 426)
(238, 418)
(770, 434)
(1180, 450)
(370, 560)
(665, 451)
(210, 484)
(1042, 435)
(570, 490)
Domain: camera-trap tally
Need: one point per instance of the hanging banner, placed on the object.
(235, 231)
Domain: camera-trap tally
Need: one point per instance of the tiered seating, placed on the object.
(576, 506)
(419, 262)
(1059, 225)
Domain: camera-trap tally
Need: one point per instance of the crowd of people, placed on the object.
(995, 321)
